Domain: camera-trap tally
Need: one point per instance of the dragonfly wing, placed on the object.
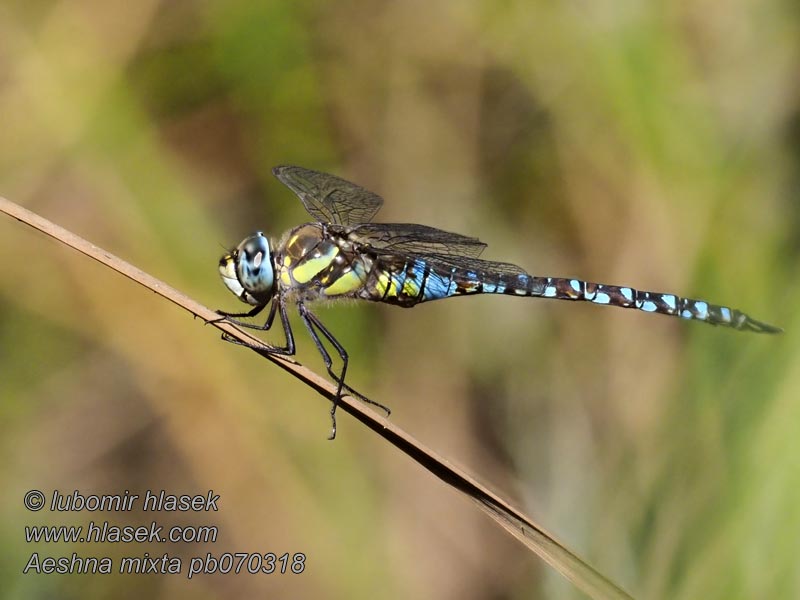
(402, 238)
(483, 269)
(330, 199)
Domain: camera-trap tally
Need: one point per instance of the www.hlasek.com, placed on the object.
(152, 533)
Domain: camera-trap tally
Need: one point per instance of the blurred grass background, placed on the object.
(649, 144)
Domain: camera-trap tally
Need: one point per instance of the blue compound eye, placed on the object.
(248, 272)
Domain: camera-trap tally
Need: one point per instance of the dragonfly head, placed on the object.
(247, 270)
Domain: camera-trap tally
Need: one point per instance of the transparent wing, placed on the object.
(330, 199)
(411, 239)
(482, 268)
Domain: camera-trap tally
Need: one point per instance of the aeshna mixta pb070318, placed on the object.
(342, 255)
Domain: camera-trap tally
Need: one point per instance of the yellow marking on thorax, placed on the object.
(294, 239)
(306, 270)
(348, 282)
(285, 277)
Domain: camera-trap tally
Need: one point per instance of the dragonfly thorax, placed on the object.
(248, 272)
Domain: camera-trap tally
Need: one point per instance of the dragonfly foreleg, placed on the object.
(313, 324)
(278, 305)
(234, 317)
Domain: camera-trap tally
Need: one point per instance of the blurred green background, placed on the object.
(655, 145)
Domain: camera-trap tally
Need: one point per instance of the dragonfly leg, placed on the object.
(310, 320)
(313, 324)
(278, 305)
(234, 317)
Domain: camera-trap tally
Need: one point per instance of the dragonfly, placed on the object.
(341, 254)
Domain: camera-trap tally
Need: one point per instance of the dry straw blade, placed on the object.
(534, 537)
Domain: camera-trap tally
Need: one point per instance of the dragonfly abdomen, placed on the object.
(408, 282)
(627, 297)
(439, 283)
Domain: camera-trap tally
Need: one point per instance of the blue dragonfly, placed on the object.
(342, 254)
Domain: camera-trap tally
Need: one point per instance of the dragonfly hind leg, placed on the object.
(313, 324)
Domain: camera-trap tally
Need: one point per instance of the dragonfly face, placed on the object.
(248, 272)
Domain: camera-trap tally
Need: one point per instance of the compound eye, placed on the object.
(254, 269)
